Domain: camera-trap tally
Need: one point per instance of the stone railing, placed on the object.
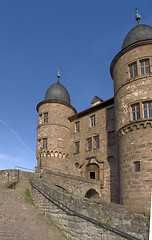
(67, 212)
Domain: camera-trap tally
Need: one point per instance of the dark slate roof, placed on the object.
(58, 92)
(139, 33)
(92, 109)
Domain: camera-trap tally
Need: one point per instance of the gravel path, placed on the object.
(20, 220)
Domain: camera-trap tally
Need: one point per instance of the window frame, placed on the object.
(96, 142)
(144, 67)
(89, 144)
(143, 110)
(45, 117)
(134, 71)
(93, 120)
(77, 126)
(45, 143)
(147, 110)
(135, 112)
(77, 147)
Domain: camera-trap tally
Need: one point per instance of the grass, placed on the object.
(28, 197)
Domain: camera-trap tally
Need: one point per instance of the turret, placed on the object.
(132, 75)
(53, 130)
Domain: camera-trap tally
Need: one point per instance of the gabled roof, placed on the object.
(96, 99)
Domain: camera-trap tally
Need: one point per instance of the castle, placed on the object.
(109, 145)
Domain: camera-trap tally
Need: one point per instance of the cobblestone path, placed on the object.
(20, 220)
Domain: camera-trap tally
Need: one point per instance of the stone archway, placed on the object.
(92, 193)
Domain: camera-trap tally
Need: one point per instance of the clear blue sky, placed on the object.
(81, 37)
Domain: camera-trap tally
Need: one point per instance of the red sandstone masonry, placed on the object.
(134, 138)
(75, 228)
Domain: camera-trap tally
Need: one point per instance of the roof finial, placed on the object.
(137, 16)
(58, 75)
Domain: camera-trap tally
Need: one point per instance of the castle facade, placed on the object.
(111, 142)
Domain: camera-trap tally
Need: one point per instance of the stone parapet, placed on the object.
(76, 228)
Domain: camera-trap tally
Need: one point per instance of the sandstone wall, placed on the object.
(101, 154)
(76, 228)
(73, 184)
(57, 133)
(134, 137)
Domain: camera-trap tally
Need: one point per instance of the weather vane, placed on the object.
(58, 75)
(137, 16)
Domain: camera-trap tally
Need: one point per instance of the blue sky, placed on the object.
(81, 37)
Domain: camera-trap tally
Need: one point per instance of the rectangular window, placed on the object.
(137, 166)
(111, 138)
(96, 141)
(92, 175)
(44, 142)
(77, 147)
(110, 113)
(77, 126)
(45, 117)
(133, 71)
(135, 112)
(89, 143)
(144, 66)
(92, 121)
(147, 110)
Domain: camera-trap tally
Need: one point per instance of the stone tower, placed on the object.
(131, 70)
(53, 130)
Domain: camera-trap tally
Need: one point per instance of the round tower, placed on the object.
(53, 130)
(131, 70)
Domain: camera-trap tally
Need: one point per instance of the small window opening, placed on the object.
(137, 166)
(92, 175)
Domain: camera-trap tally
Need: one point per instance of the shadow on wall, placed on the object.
(63, 189)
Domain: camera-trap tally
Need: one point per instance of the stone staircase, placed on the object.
(20, 220)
